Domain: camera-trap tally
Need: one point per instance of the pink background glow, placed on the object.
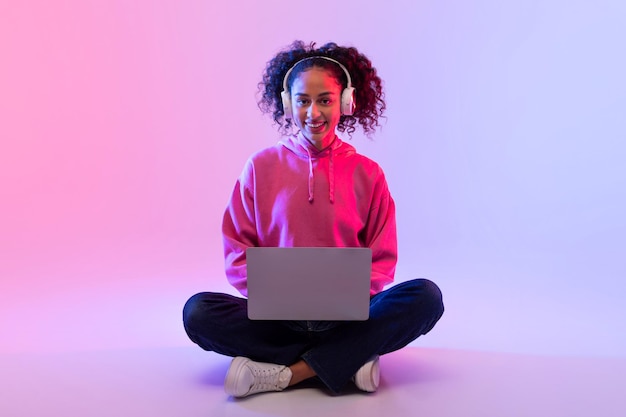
(123, 125)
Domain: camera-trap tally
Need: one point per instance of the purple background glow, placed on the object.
(123, 126)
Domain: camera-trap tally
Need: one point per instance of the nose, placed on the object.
(312, 111)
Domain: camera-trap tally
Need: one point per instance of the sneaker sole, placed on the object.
(369, 380)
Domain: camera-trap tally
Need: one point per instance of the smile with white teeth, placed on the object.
(315, 125)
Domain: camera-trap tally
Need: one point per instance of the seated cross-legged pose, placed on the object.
(313, 189)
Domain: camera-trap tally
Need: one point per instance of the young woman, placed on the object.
(313, 189)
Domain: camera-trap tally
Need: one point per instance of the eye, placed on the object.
(302, 102)
(326, 101)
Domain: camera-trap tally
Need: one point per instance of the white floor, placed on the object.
(113, 345)
(415, 381)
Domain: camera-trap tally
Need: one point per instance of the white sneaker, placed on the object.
(367, 377)
(246, 377)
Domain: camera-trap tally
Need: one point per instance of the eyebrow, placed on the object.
(326, 93)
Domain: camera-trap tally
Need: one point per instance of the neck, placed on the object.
(322, 144)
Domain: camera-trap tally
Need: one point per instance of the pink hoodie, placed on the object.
(293, 195)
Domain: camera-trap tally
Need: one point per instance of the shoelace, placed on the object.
(266, 379)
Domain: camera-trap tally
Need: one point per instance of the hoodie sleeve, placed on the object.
(381, 237)
(239, 230)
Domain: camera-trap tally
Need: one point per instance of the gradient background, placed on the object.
(124, 124)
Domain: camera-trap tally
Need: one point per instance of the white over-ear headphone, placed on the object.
(347, 95)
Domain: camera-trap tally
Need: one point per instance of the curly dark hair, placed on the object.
(369, 96)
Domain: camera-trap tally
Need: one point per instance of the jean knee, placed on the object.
(431, 301)
(427, 297)
(431, 290)
(207, 310)
(192, 309)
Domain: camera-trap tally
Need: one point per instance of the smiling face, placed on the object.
(316, 105)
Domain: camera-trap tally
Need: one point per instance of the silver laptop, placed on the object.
(308, 283)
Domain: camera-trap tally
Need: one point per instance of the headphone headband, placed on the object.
(345, 70)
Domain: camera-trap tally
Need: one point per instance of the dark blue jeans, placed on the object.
(334, 350)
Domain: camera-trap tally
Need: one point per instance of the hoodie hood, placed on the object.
(302, 148)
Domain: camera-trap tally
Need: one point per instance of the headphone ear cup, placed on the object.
(348, 103)
(286, 97)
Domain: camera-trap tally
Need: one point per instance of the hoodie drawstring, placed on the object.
(311, 177)
(331, 176)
